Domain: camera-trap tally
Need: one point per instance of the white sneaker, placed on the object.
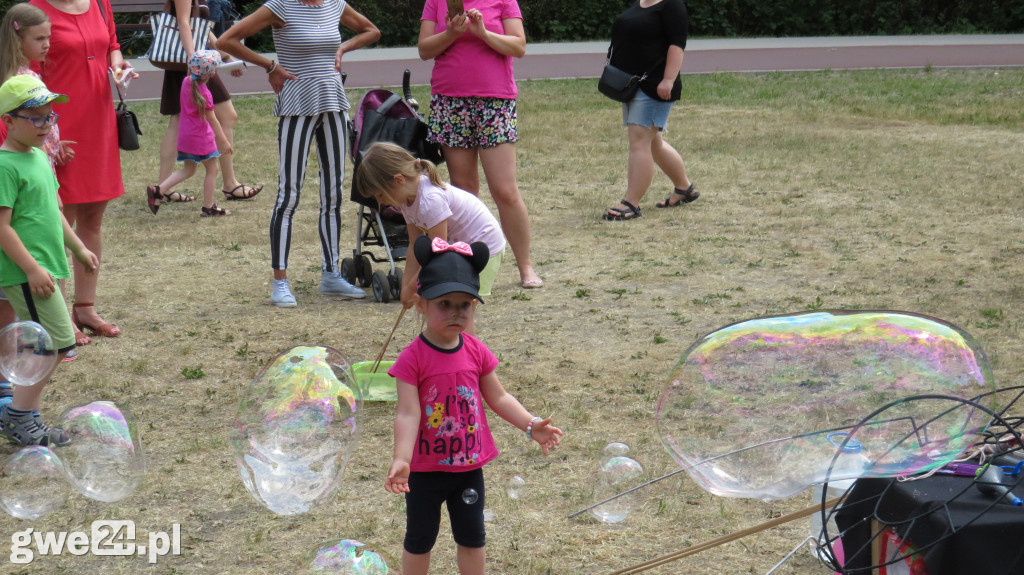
(331, 283)
(281, 296)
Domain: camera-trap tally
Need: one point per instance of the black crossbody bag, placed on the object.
(618, 84)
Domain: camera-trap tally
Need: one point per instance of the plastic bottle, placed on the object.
(850, 465)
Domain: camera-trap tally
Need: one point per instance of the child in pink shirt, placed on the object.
(442, 437)
(199, 135)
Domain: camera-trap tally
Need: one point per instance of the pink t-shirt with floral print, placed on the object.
(453, 433)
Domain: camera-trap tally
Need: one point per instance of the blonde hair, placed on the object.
(17, 20)
(383, 161)
(198, 98)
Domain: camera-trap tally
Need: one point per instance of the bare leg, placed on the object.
(87, 219)
(462, 168)
(471, 560)
(209, 182)
(30, 397)
(415, 564)
(499, 165)
(640, 170)
(227, 116)
(670, 162)
(169, 148)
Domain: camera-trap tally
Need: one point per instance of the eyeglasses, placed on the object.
(40, 121)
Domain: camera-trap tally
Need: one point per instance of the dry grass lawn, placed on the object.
(833, 190)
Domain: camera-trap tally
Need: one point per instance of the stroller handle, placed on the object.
(407, 91)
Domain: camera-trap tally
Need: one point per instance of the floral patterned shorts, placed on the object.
(472, 122)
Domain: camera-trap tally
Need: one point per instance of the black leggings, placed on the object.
(427, 490)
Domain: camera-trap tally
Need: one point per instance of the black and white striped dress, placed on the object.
(306, 46)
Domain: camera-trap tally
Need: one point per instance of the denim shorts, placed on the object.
(187, 157)
(644, 111)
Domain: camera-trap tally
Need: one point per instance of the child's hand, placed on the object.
(547, 435)
(88, 259)
(398, 478)
(66, 153)
(41, 283)
(225, 148)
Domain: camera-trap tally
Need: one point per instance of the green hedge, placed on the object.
(575, 20)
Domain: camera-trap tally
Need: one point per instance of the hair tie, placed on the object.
(17, 27)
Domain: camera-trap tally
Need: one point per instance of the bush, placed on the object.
(578, 20)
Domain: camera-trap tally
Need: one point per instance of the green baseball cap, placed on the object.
(26, 91)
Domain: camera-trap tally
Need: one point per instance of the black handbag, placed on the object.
(128, 131)
(618, 84)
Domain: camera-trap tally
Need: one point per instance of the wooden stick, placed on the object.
(380, 356)
(640, 567)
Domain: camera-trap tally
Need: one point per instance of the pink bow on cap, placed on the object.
(439, 246)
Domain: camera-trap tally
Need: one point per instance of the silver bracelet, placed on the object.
(529, 427)
(273, 66)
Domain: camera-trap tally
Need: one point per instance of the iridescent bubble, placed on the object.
(764, 408)
(516, 487)
(32, 483)
(349, 556)
(614, 476)
(104, 459)
(615, 449)
(27, 353)
(488, 516)
(296, 428)
(470, 496)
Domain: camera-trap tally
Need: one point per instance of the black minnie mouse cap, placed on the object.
(446, 269)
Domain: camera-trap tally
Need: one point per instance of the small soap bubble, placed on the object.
(27, 353)
(351, 557)
(615, 449)
(516, 487)
(104, 459)
(613, 476)
(470, 496)
(296, 428)
(488, 515)
(32, 483)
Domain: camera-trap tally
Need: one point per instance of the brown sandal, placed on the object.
(242, 192)
(213, 211)
(105, 329)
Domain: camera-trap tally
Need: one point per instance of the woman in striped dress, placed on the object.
(311, 106)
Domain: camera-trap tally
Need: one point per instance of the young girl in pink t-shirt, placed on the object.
(442, 437)
(392, 176)
(199, 135)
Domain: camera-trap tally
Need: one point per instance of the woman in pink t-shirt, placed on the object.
(473, 106)
(442, 437)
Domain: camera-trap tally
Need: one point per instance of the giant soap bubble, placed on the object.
(104, 459)
(351, 557)
(27, 353)
(32, 483)
(295, 429)
(767, 407)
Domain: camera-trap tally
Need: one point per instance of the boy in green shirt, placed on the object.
(33, 235)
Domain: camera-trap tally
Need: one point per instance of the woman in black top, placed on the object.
(649, 38)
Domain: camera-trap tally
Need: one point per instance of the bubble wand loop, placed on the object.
(384, 348)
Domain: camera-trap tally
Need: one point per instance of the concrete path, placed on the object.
(383, 67)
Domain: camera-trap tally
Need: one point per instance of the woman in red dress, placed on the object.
(83, 44)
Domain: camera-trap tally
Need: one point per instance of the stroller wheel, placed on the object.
(396, 284)
(364, 271)
(381, 286)
(348, 270)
